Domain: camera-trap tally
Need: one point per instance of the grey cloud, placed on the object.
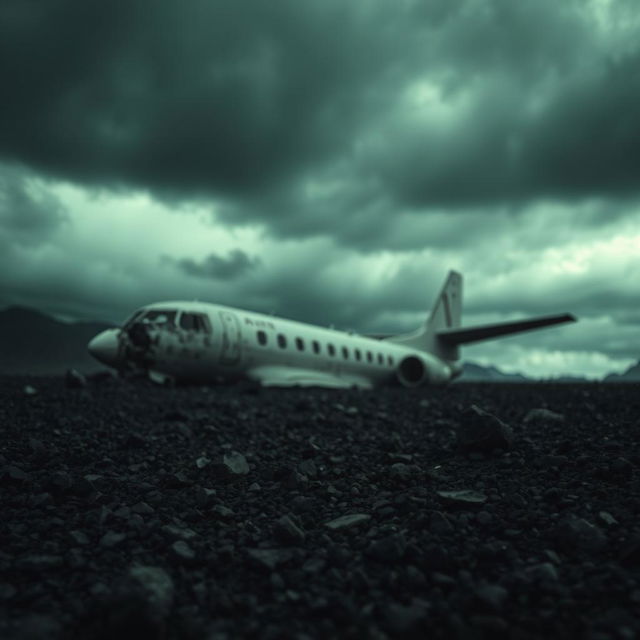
(236, 264)
(29, 213)
(250, 102)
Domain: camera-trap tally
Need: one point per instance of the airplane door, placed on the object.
(230, 353)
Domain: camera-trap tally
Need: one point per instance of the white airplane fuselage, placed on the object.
(233, 343)
(199, 341)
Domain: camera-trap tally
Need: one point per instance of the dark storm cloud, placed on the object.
(207, 96)
(29, 213)
(236, 264)
(258, 102)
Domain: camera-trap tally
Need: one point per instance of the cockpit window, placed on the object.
(160, 316)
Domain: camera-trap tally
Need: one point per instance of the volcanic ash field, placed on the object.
(473, 511)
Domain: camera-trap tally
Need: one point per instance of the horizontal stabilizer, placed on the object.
(465, 335)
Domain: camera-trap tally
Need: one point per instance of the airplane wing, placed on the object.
(281, 376)
(465, 335)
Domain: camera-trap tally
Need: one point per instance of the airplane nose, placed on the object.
(104, 347)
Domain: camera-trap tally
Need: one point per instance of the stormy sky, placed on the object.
(330, 162)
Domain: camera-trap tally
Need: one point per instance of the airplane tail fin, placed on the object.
(445, 315)
(442, 333)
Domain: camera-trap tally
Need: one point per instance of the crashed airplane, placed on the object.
(202, 342)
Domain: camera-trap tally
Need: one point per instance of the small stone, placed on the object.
(622, 467)
(236, 463)
(28, 390)
(390, 549)
(288, 531)
(40, 562)
(440, 524)
(183, 551)
(205, 497)
(542, 415)
(308, 468)
(179, 533)
(347, 521)
(79, 537)
(607, 518)
(544, 572)
(462, 498)
(157, 584)
(177, 481)
(577, 533)
(484, 518)
(406, 621)
(224, 513)
(404, 472)
(112, 539)
(143, 509)
(16, 474)
(202, 462)
(270, 558)
(73, 379)
(491, 595)
(479, 430)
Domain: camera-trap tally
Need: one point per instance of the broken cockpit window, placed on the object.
(160, 317)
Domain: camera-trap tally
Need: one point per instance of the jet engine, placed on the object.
(418, 369)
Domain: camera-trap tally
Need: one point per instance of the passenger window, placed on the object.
(358, 354)
(202, 323)
(390, 361)
(187, 321)
(262, 338)
(300, 344)
(282, 341)
(380, 359)
(369, 356)
(331, 350)
(345, 353)
(316, 346)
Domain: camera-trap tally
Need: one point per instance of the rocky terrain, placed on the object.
(473, 511)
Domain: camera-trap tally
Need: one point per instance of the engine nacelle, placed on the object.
(418, 369)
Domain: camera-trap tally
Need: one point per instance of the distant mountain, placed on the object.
(632, 374)
(35, 343)
(472, 372)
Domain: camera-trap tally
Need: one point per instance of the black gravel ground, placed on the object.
(134, 511)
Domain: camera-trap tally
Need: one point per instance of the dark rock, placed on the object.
(112, 539)
(440, 524)
(544, 571)
(577, 533)
(183, 551)
(390, 549)
(491, 595)
(269, 558)
(405, 472)
(542, 416)
(287, 531)
(16, 474)
(347, 521)
(73, 379)
(463, 498)
(222, 512)
(179, 533)
(40, 562)
(404, 621)
(482, 431)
